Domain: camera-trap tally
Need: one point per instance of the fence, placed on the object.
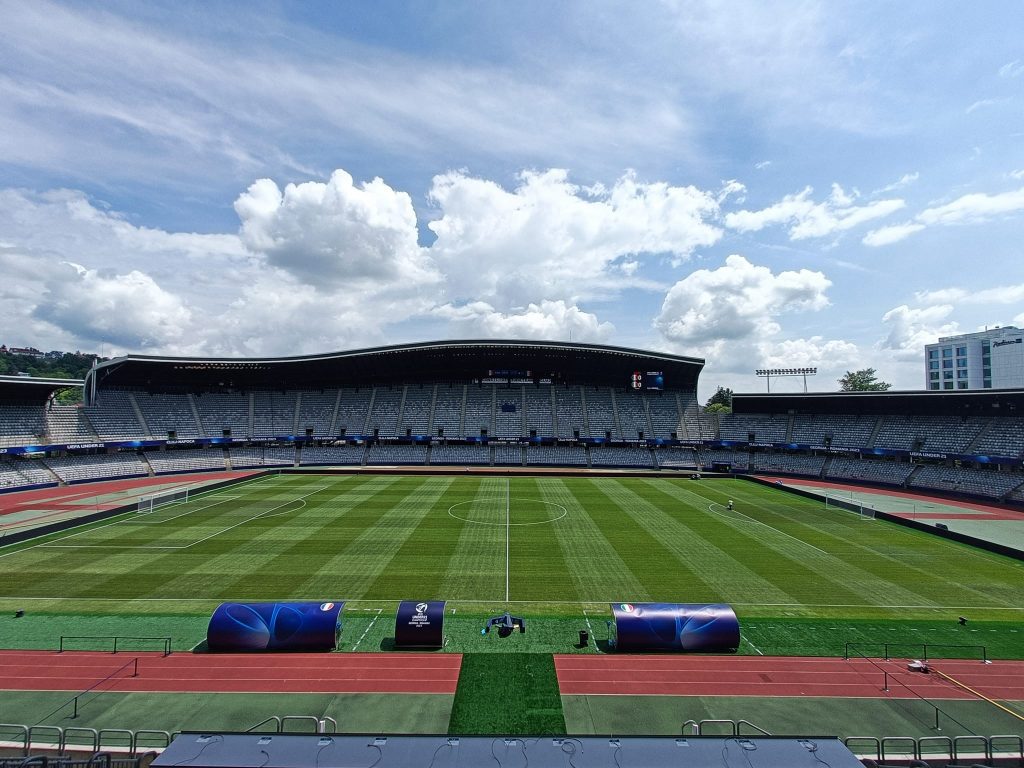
(925, 652)
(165, 642)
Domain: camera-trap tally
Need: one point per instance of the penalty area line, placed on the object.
(794, 538)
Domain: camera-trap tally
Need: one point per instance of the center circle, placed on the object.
(493, 511)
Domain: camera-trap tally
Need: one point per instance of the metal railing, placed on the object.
(927, 650)
(73, 701)
(61, 741)
(280, 723)
(943, 748)
(165, 642)
(733, 728)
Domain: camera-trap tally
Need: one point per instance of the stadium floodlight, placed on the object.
(767, 373)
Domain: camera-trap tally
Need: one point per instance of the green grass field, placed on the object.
(553, 546)
(804, 579)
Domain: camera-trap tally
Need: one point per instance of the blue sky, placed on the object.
(783, 184)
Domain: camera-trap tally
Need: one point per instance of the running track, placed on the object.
(232, 673)
(700, 675)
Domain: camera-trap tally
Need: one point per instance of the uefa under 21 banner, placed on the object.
(675, 627)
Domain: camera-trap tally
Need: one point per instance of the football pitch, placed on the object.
(551, 545)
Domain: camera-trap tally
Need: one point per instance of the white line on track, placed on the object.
(368, 628)
(794, 538)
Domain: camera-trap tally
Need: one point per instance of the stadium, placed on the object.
(525, 504)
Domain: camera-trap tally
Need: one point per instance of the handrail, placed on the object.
(134, 663)
(273, 718)
(121, 732)
(165, 641)
(137, 737)
(22, 729)
(902, 740)
(923, 646)
(91, 732)
(874, 741)
(759, 729)
(300, 719)
(698, 727)
(926, 741)
(986, 748)
(57, 745)
(1018, 740)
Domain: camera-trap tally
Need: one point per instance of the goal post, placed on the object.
(155, 501)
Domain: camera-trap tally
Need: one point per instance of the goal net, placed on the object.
(157, 500)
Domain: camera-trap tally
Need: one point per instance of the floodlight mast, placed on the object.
(767, 373)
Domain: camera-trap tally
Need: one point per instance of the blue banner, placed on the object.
(274, 627)
(675, 627)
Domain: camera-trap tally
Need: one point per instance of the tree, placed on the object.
(864, 380)
(720, 402)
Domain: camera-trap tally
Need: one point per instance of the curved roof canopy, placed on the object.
(31, 389)
(427, 362)
(974, 402)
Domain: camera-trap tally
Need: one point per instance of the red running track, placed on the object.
(232, 673)
(691, 675)
(60, 500)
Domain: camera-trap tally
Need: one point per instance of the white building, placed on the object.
(985, 360)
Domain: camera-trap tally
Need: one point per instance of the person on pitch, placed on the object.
(729, 506)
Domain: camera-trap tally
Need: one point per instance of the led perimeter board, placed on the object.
(675, 627)
(274, 627)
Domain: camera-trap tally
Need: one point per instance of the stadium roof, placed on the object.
(438, 361)
(989, 402)
(30, 388)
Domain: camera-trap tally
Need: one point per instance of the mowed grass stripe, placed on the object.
(705, 555)
(892, 550)
(356, 569)
(476, 567)
(801, 571)
(43, 571)
(536, 552)
(215, 565)
(599, 572)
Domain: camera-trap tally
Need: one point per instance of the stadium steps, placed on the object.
(366, 419)
(334, 415)
(195, 414)
(909, 479)
(826, 467)
(149, 467)
(430, 418)
(462, 416)
(298, 405)
(401, 409)
(138, 415)
(1010, 493)
(252, 415)
(874, 432)
(789, 427)
(616, 424)
(980, 436)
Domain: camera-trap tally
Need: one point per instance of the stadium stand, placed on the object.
(869, 470)
(316, 412)
(556, 455)
(738, 460)
(224, 414)
(1001, 437)
(353, 412)
(77, 468)
(833, 430)
(261, 457)
(392, 453)
(21, 425)
(663, 410)
(509, 412)
(539, 411)
(508, 454)
(631, 415)
(419, 401)
(448, 408)
(14, 473)
(776, 461)
(768, 428)
(622, 457)
(273, 413)
(341, 455)
(386, 405)
(113, 418)
(168, 414)
(600, 409)
(186, 460)
(569, 413)
(961, 480)
(460, 454)
(68, 424)
(479, 411)
(677, 458)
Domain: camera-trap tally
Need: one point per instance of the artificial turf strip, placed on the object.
(507, 694)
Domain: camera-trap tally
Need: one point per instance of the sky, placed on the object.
(783, 184)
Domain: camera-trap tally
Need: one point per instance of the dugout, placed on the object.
(275, 627)
(674, 627)
(419, 624)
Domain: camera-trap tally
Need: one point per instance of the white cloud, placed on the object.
(1003, 294)
(327, 234)
(903, 181)
(1011, 69)
(553, 320)
(892, 234)
(128, 310)
(1017, 174)
(807, 219)
(762, 165)
(910, 328)
(551, 237)
(730, 314)
(973, 208)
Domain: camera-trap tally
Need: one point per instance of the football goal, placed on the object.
(157, 500)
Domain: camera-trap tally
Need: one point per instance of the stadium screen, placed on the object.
(647, 380)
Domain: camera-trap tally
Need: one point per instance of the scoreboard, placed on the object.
(647, 380)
